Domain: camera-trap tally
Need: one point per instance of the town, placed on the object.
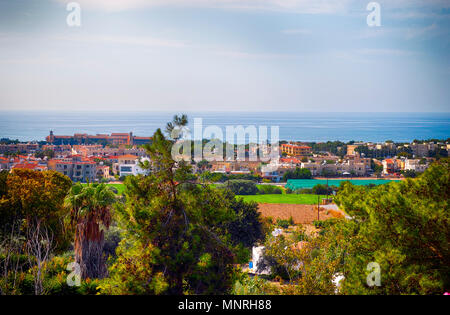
(102, 157)
(253, 227)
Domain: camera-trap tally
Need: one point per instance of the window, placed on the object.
(127, 169)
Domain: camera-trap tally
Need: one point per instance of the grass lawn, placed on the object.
(302, 199)
(120, 187)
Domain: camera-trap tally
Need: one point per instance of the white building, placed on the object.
(133, 168)
(415, 165)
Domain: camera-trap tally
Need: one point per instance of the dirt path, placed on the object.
(301, 214)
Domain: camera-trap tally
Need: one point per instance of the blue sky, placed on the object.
(225, 55)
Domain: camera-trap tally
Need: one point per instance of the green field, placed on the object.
(120, 187)
(301, 199)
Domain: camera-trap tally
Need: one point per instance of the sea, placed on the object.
(298, 126)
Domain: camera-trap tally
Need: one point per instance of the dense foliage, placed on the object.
(179, 237)
(298, 173)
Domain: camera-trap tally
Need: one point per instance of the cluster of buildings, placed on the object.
(83, 138)
(395, 165)
(80, 162)
(353, 164)
(91, 161)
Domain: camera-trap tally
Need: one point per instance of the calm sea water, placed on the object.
(375, 127)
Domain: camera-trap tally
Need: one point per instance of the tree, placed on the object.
(409, 173)
(203, 165)
(90, 215)
(33, 198)
(320, 189)
(298, 173)
(403, 226)
(246, 227)
(241, 187)
(45, 153)
(174, 230)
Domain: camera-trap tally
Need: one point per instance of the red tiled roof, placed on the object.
(30, 166)
(290, 160)
(127, 156)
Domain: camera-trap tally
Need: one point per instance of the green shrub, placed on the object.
(240, 187)
(284, 223)
(269, 190)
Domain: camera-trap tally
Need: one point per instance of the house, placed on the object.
(391, 166)
(131, 167)
(415, 165)
(76, 167)
(295, 150)
(30, 166)
(102, 171)
(4, 163)
(23, 148)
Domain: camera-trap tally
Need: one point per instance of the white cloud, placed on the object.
(299, 6)
(129, 40)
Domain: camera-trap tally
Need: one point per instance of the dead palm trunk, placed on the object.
(90, 216)
(89, 242)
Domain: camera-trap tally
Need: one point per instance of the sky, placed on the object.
(225, 55)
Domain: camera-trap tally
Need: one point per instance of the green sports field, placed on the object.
(301, 199)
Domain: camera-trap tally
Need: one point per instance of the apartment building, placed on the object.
(102, 171)
(391, 166)
(295, 150)
(100, 151)
(4, 163)
(60, 150)
(129, 165)
(415, 165)
(234, 166)
(22, 148)
(76, 167)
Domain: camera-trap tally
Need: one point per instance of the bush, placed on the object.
(285, 223)
(270, 190)
(320, 189)
(241, 187)
(301, 191)
(299, 173)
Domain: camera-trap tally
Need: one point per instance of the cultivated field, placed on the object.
(301, 214)
(301, 199)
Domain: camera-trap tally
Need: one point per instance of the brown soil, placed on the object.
(301, 214)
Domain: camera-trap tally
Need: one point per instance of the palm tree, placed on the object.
(90, 215)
